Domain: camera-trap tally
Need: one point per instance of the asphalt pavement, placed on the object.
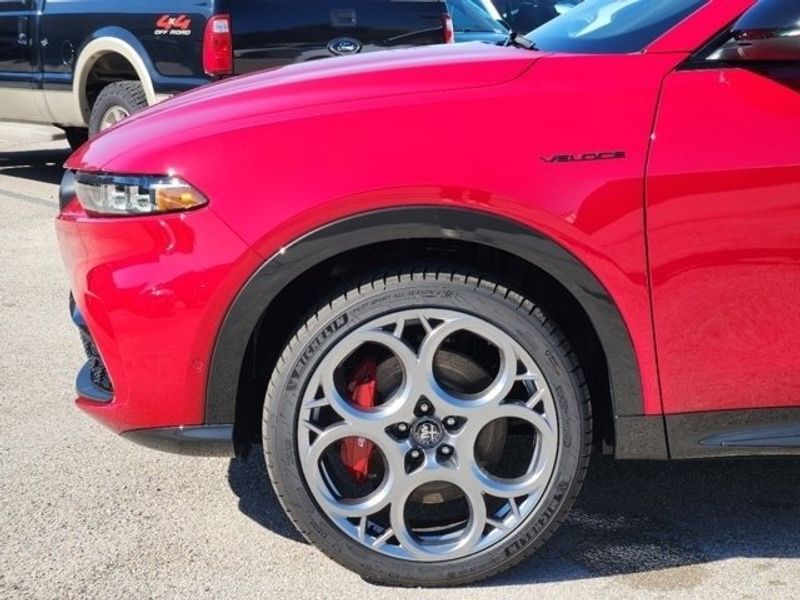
(85, 514)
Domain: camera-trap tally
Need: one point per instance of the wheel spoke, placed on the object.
(311, 427)
(113, 116)
(383, 538)
(399, 528)
(399, 327)
(535, 398)
(317, 403)
(532, 482)
(477, 521)
(362, 528)
(426, 325)
(372, 423)
(395, 408)
(510, 520)
(501, 525)
(361, 507)
(503, 382)
(537, 473)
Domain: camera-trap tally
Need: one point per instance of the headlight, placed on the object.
(126, 195)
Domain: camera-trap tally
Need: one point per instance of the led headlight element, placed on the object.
(127, 195)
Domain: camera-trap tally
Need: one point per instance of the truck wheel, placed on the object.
(76, 136)
(427, 428)
(116, 102)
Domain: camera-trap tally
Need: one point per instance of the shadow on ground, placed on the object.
(642, 519)
(249, 481)
(646, 518)
(35, 165)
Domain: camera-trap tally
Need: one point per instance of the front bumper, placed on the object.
(93, 382)
(149, 296)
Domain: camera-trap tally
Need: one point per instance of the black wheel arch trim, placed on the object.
(422, 223)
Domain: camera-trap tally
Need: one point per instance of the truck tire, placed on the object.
(115, 102)
(381, 428)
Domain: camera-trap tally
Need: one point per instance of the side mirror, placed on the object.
(768, 32)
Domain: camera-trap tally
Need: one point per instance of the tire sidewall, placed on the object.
(332, 325)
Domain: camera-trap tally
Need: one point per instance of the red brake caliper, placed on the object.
(356, 451)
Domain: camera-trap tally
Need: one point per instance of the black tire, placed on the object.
(76, 136)
(436, 288)
(128, 95)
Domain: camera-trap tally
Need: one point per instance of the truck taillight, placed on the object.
(449, 32)
(218, 46)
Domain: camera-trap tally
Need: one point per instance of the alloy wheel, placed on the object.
(112, 116)
(446, 466)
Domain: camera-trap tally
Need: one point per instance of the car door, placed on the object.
(17, 96)
(723, 227)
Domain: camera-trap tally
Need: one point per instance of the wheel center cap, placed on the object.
(427, 432)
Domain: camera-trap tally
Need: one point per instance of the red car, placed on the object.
(430, 322)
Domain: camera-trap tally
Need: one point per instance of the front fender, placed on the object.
(429, 223)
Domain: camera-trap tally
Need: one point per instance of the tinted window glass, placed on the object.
(772, 15)
(475, 15)
(526, 15)
(769, 31)
(612, 26)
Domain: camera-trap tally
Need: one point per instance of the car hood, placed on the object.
(252, 99)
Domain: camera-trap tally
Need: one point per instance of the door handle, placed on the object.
(22, 31)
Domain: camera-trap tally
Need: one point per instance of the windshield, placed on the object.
(612, 26)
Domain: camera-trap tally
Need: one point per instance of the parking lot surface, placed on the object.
(84, 514)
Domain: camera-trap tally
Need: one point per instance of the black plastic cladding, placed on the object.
(419, 223)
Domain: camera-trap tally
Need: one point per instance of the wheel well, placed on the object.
(301, 297)
(108, 68)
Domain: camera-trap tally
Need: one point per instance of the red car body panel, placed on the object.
(301, 91)
(594, 209)
(282, 153)
(152, 296)
(723, 210)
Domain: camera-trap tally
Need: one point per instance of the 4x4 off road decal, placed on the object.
(169, 25)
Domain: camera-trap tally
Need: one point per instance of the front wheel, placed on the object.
(427, 429)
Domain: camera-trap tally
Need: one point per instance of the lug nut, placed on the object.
(450, 422)
(415, 454)
(424, 407)
(402, 428)
(446, 450)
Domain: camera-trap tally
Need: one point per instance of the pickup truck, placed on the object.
(84, 65)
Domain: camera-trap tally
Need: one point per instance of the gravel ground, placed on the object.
(84, 514)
